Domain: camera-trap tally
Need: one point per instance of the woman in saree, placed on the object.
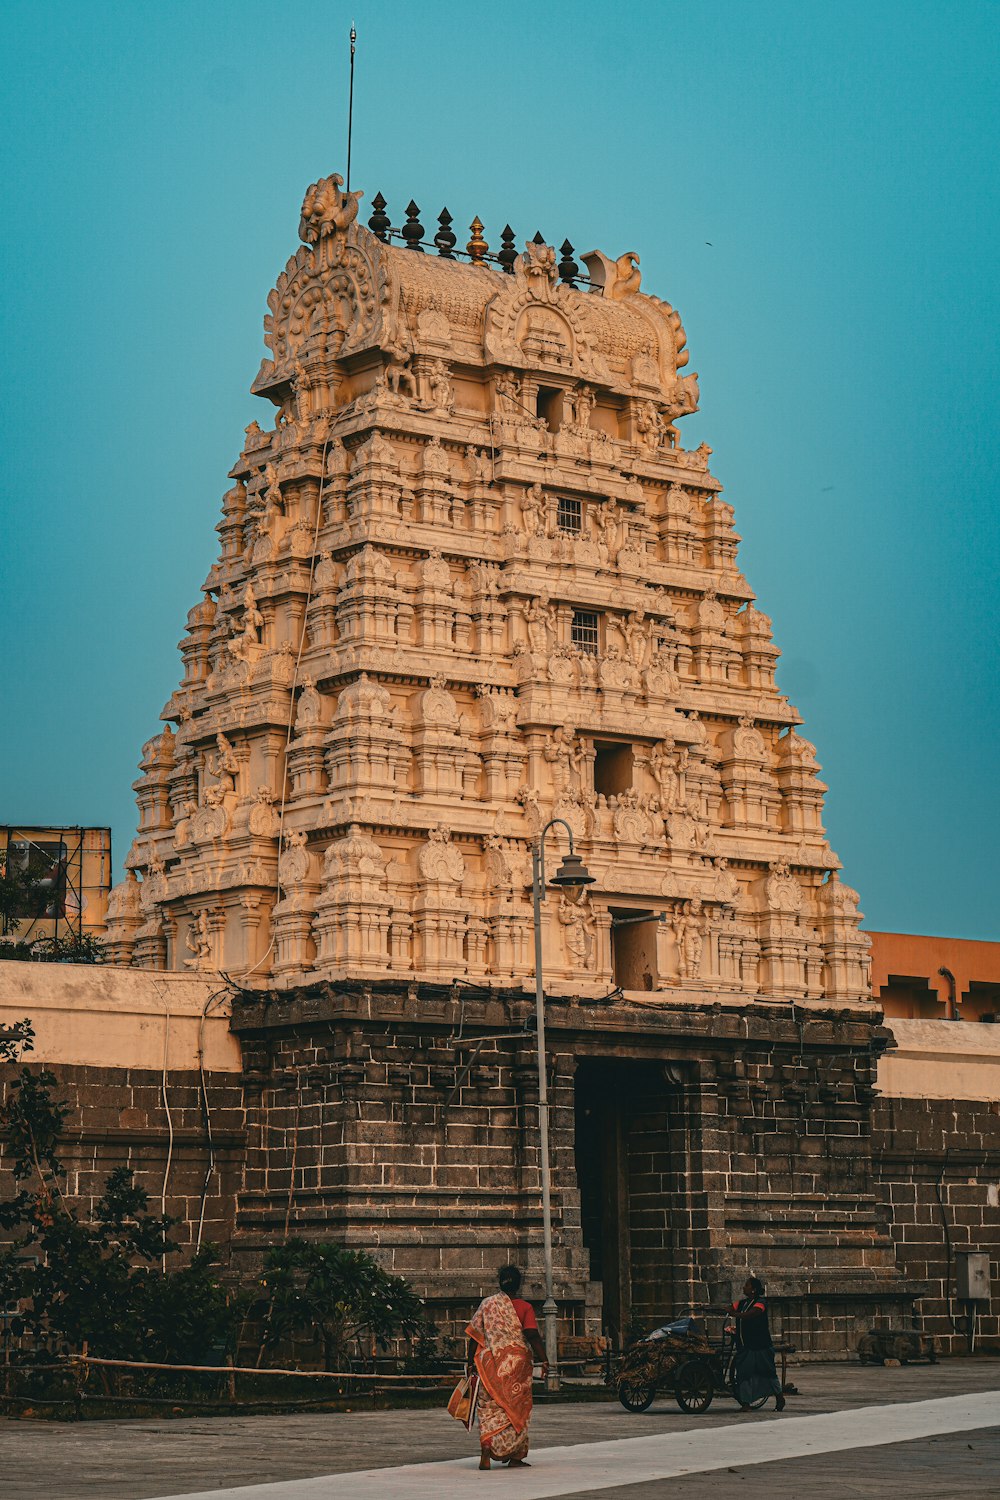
(755, 1372)
(503, 1343)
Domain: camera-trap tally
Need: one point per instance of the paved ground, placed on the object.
(139, 1460)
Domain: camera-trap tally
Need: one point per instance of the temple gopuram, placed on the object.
(470, 580)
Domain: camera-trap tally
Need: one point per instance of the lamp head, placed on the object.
(572, 872)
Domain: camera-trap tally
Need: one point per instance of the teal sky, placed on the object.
(813, 186)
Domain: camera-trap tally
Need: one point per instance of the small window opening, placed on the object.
(584, 631)
(549, 407)
(633, 949)
(569, 515)
(612, 768)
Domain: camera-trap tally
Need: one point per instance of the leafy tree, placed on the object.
(339, 1297)
(93, 1279)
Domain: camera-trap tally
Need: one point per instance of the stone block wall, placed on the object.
(118, 1119)
(743, 1144)
(937, 1170)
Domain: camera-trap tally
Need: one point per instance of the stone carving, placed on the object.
(533, 511)
(436, 572)
(607, 524)
(631, 822)
(309, 709)
(635, 631)
(263, 819)
(565, 755)
(540, 619)
(649, 424)
(124, 901)
(327, 210)
(508, 392)
(438, 706)
(669, 764)
(245, 641)
(439, 385)
(499, 710)
(198, 942)
(690, 927)
(439, 860)
(782, 889)
(293, 866)
(726, 888)
(224, 765)
(580, 927)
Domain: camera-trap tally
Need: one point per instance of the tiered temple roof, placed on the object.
(471, 580)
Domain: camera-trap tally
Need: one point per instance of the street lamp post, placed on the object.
(571, 874)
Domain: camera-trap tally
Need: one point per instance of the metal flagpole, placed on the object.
(350, 108)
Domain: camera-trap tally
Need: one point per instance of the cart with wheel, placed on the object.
(677, 1358)
(681, 1359)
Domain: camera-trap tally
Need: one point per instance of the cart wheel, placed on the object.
(760, 1401)
(694, 1386)
(636, 1397)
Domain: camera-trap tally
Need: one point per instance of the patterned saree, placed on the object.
(503, 1363)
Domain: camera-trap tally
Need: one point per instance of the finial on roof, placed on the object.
(507, 254)
(477, 246)
(445, 239)
(538, 238)
(379, 221)
(413, 230)
(568, 268)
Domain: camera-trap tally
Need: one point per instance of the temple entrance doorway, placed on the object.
(627, 1176)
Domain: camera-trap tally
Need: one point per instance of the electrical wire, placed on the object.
(215, 997)
(170, 1128)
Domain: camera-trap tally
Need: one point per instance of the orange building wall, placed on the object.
(906, 980)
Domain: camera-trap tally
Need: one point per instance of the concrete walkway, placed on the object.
(588, 1467)
(267, 1456)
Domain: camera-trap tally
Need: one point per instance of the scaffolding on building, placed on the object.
(71, 880)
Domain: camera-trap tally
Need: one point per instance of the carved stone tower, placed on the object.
(470, 580)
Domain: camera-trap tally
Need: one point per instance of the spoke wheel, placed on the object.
(636, 1397)
(694, 1386)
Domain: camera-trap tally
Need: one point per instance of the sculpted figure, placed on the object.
(274, 505)
(636, 633)
(533, 511)
(649, 424)
(628, 277)
(399, 378)
(480, 463)
(564, 755)
(508, 389)
(539, 263)
(325, 209)
(198, 942)
(540, 620)
(727, 887)
(690, 925)
(249, 632)
(223, 765)
(668, 765)
(310, 705)
(606, 522)
(584, 402)
(439, 384)
(578, 919)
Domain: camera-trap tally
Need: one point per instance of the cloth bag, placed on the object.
(464, 1399)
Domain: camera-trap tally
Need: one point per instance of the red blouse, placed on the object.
(525, 1314)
